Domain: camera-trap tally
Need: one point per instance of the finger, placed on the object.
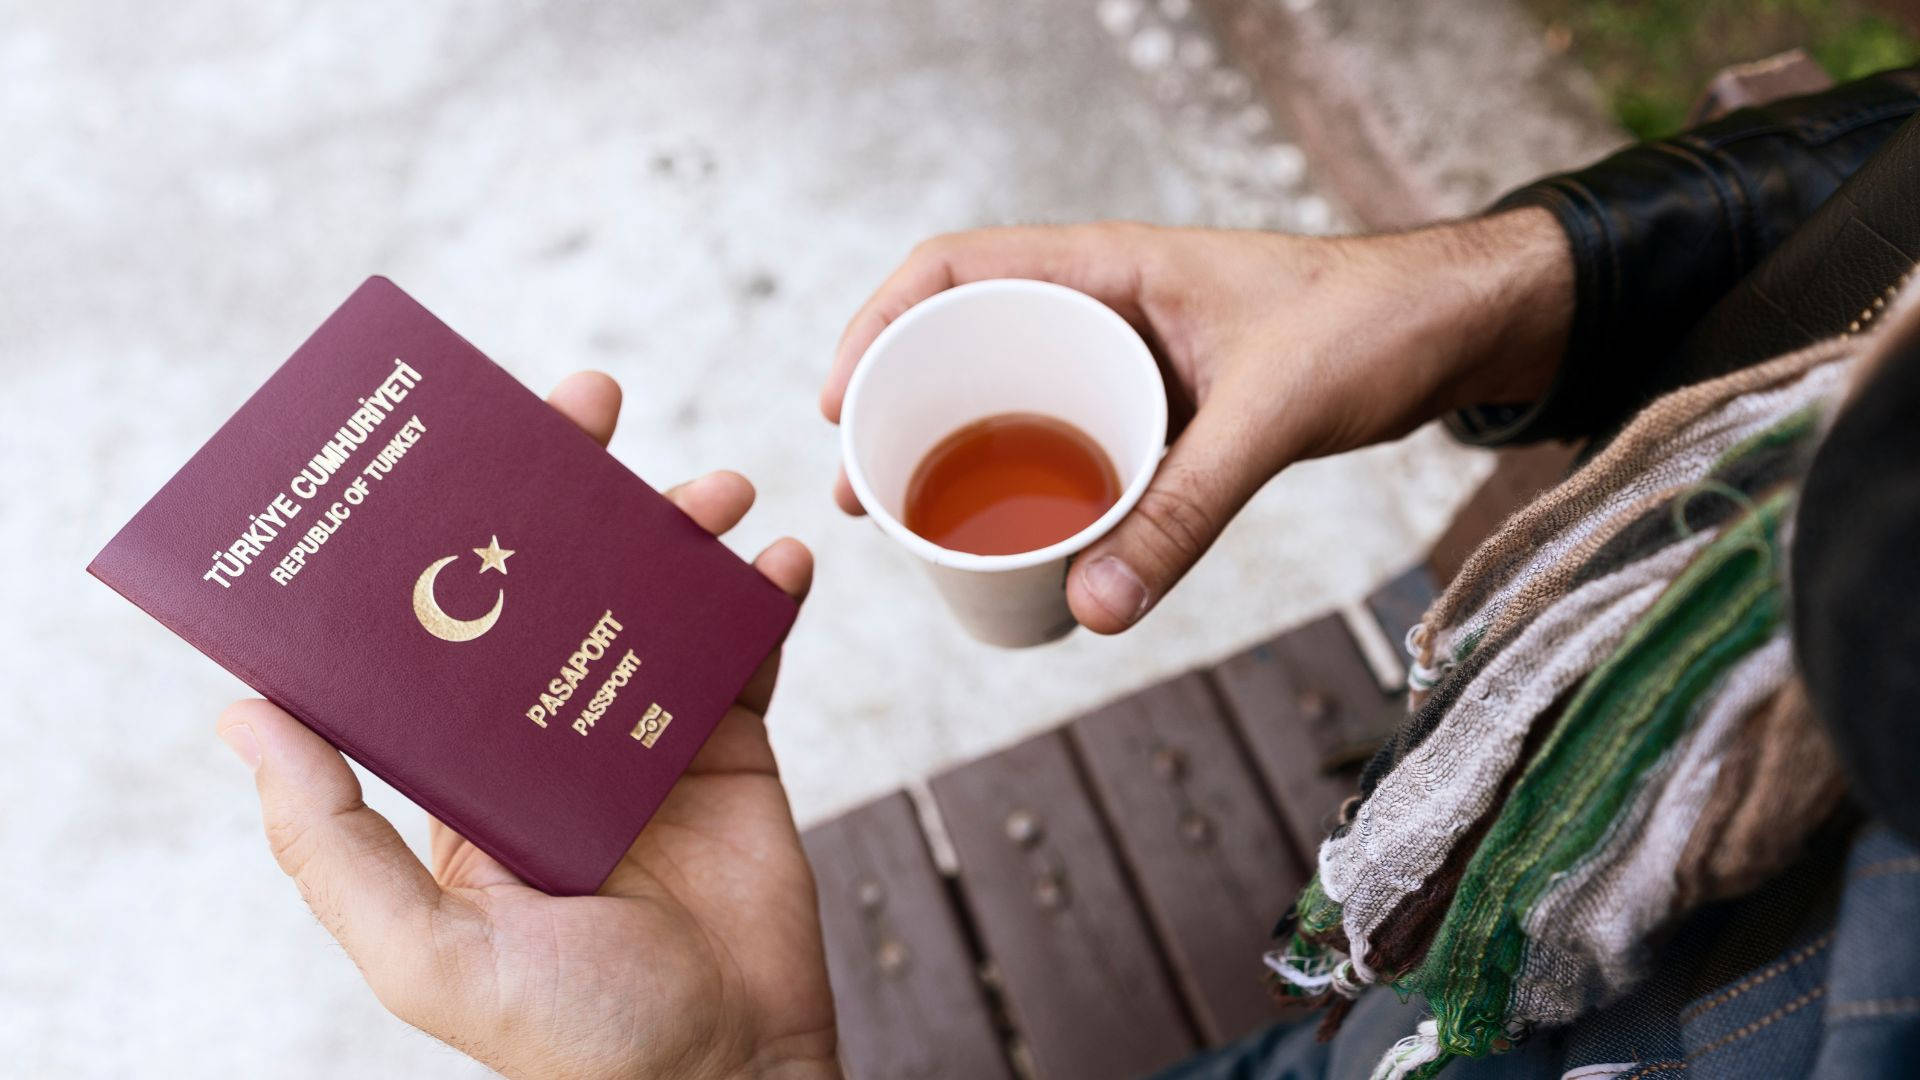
(927, 270)
(458, 864)
(738, 745)
(1085, 257)
(353, 869)
(1207, 476)
(441, 842)
(758, 693)
(590, 399)
(717, 500)
(788, 564)
(843, 495)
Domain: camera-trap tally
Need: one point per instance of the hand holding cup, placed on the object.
(1275, 348)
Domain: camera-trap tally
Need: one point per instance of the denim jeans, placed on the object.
(1816, 974)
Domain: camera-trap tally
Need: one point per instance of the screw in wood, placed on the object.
(1314, 705)
(1169, 763)
(1050, 890)
(890, 957)
(1023, 828)
(1196, 828)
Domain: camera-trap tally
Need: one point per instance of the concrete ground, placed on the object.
(690, 196)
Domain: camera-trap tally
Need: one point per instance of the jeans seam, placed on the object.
(1909, 864)
(1872, 1009)
(1748, 1030)
(1694, 1012)
(1648, 1070)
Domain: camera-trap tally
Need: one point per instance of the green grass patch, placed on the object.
(1654, 57)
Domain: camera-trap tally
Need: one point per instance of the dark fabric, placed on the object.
(1718, 948)
(1751, 476)
(1871, 1011)
(1810, 975)
(1856, 587)
(1663, 230)
(1828, 278)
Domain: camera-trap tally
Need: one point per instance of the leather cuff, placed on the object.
(1662, 230)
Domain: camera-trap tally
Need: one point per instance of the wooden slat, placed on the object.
(1519, 474)
(1786, 74)
(1399, 604)
(1078, 969)
(909, 999)
(1305, 703)
(1212, 863)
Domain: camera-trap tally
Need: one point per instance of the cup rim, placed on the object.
(1155, 439)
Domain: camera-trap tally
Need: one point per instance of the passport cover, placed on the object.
(399, 544)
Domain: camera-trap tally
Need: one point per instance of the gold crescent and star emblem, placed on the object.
(444, 626)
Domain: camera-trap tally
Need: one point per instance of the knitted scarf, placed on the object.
(1606, 732)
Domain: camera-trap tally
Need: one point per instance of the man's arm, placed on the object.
(1661, 231)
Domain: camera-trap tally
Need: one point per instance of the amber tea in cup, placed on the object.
(1010, 483)
(1003, 416)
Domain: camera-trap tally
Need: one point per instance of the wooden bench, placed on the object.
(1117, 877)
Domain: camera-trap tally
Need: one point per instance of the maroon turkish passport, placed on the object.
(400, 545)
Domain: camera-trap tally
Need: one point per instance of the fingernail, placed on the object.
(1117, 588)
(240, 738)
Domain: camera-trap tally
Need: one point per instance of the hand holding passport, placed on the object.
(343, 600)
(700, 952)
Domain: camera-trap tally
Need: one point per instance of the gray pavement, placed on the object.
(690, 196)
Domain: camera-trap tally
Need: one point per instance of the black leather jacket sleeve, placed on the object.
(1662, 230)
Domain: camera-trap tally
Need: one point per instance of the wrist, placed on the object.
(1503, 306)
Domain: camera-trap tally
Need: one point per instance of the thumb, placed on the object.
(1209, 473)
(356, 873)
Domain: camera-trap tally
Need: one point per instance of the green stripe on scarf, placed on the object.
(1628, 713)
(1792, 428)
(1315, 913)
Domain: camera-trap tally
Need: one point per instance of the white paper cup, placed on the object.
(983, 349)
